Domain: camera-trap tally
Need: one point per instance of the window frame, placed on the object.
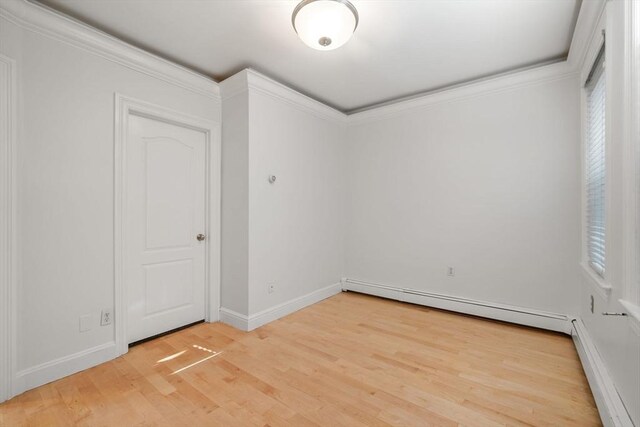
(600, 283)
(631, 166)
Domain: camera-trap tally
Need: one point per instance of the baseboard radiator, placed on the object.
(496, 311)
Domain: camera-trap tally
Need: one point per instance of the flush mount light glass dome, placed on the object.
(325, 24)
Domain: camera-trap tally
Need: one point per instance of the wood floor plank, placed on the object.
(350, 360)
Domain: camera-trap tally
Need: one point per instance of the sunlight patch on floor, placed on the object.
(173, 356)
(197, 347)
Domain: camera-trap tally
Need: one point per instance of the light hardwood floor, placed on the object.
(351, 360)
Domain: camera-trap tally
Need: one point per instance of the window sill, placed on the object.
(633, 310)
(597, 282)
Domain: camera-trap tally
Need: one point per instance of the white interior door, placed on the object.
(164, 272)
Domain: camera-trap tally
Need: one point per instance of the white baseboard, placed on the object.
(55, 369)
(507, 313)
(235, 319)
(610, 406)
(249, 323)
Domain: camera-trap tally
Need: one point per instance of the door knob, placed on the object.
(200, 237)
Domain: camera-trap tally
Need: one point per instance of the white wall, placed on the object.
(488, 184)
(65, 187)
(617, 339)
(291, 231)
(234, 288)
(297, 223)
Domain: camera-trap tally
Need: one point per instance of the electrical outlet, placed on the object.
(106, 318)
(271, 287)
(592, 303)
(451, 271)
(85, 323)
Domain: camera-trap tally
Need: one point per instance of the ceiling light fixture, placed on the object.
(325, 24)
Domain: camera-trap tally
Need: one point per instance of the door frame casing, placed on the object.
(124, 108)
(8, 227)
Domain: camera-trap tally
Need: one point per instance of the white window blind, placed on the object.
(595, 165)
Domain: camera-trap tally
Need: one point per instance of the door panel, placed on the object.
(168, 286)
(165, 211)
(169, 193)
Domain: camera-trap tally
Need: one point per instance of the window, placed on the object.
(595, 165)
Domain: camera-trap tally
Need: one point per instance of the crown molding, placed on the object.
(586, 27)
(44, 21)
(249, 79)
(234, 85)
(52, 24)
(268, 86)
(495, 84)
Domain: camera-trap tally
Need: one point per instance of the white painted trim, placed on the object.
(602, 287)
(633, 310)
(594, 43)
(635, 112)
(124, 107)
(45, 21)
(504, 312)
(251, 79)
(268, 86)
(610, 406)
(8, 252)
(235, 319)
(63, 366)
(234, 85)
(590, 13)
(249, 323)
(281, 310)
(214, 222)
(631, 156)
(49, 23)
(491, 85)
(586, 29)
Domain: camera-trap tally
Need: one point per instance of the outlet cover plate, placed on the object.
(106, 318)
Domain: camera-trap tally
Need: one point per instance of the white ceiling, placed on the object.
(401, 47)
